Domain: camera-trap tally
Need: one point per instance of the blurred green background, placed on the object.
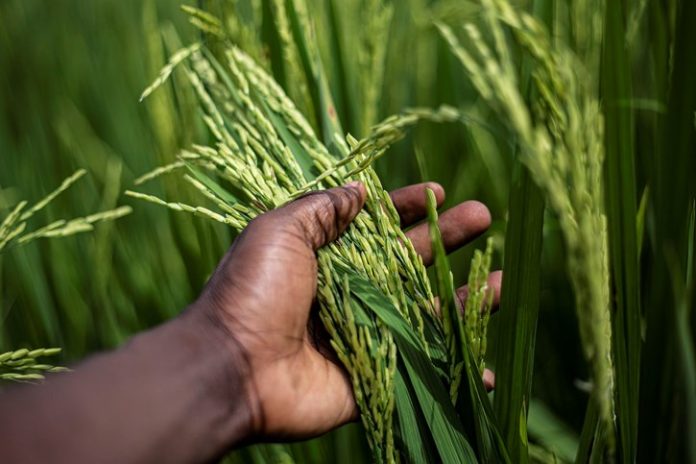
(71, 73)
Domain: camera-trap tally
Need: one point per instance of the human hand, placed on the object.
(262, 293)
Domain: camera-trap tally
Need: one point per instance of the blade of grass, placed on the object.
(519, 311)
(324, 108)
(620, 182)
(471, 399)
(345, 101)
(671, 166)
(430, 394)
(303, 159)
(587, 436)
(520, 294)
(685, 340)
(551, 431)
(640, 220)
(492, 448)
(274, 46)
(411, 423)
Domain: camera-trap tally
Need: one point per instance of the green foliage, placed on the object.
(586, 78)
(21, 365)
(561, 143)
(622, 220)
(520, 294)
(14, 225)
(670, 157)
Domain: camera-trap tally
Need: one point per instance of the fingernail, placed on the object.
(354, 184)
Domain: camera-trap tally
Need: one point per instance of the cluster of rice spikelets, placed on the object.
(22, 365)
(479, 302)
(560, 136)
(265, 155)
(13, 229)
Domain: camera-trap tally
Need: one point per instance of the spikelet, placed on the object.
(14, 225)
(22, 365)
(265, 154)
(561, 142)
(479, 303)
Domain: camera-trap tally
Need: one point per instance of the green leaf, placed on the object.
(520, 295)
(411, 423)
(430, 394)
(491, 446)
(345, 101)
(519, 310)
(589, 430)
(640, 219)
(685, 339)
(670, 166)
(452, 323)
(324, 108)
(471, 397)
(547, 429)
(620, 187)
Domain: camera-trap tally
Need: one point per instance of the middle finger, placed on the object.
(458, 225)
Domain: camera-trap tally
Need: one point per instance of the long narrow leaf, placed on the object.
(519, 311)
(671, 166)
(621, 219)
(332, 133)
(431, 395)
(470, 396)
(520, 294)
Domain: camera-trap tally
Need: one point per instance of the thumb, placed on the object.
(322, 216)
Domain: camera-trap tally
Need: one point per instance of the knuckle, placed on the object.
(318, 216)
(322, 217)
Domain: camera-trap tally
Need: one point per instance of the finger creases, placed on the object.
(322, 216)
(458, 225)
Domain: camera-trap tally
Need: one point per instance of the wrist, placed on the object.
(223, 372)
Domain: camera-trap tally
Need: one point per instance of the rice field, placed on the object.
(137, 138)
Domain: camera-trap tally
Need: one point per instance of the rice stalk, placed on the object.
(204, 21)
(167, 70)
(239, 21)
(371, 58)
(21, 365)
(13, 228)
(561, 137)
(265, 153)
(299, 90)
(260, 140)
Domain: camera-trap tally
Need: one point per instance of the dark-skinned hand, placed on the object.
(240, 365)
(262, 293)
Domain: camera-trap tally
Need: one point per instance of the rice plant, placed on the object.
(560, 134)
(21, 365)
(266, 154)
(13, 227)
(561, 116)
(562, 144)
